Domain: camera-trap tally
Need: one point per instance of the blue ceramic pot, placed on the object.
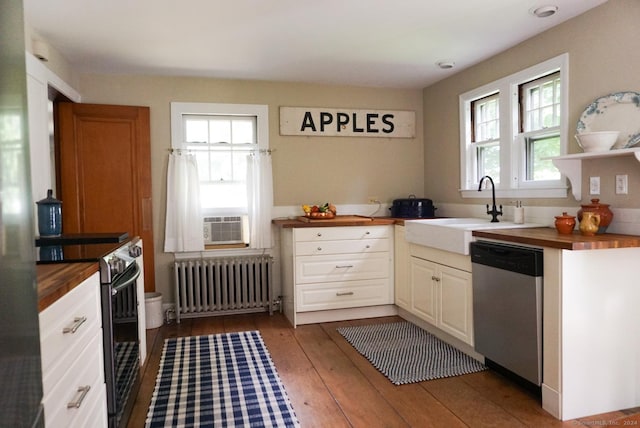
(49, 215)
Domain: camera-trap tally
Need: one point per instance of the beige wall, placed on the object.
(340, 170)
(602, 46)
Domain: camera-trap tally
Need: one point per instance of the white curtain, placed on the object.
(184, 224)
(260, 198)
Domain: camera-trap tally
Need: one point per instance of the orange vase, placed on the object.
(565, 223)
(606, 215)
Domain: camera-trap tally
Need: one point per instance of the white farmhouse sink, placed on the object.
(452, 234)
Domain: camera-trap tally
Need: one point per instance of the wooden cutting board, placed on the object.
(337, 219)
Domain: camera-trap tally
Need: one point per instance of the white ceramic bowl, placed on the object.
(600, 141)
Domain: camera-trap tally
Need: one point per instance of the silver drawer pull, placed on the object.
(344, 293)
(368, 233)
(82, 390)
(343, 266)
(77, 322)
(319, 248)
(367, 246)
(319, 234)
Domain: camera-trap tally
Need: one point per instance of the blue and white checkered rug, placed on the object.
(405, 353)
(222, 380)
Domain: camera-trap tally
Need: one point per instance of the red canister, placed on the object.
(606, 215)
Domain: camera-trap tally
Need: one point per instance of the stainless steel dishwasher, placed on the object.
(507, 307)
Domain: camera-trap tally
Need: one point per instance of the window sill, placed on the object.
(556, 192)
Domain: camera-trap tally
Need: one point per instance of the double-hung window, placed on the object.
(540, 126)
(485, 117)
(511, 127)
(224, 138)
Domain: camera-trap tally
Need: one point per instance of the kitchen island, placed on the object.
(591, 347)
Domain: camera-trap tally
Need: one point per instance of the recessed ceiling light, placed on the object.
(445, 65)
(544, 11)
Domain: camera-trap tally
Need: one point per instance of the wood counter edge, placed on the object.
(366, 221)
(549, 237)
(56, 280)
(538, 236)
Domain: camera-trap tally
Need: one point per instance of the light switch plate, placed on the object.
(622, 184)
(594, 185)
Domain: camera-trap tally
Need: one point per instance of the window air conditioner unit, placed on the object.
(226, 230)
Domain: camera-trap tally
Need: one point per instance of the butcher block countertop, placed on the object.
(55, 280)
(538, 236)
(339, 220)
(549, 237)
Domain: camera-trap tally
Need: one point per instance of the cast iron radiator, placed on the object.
(225, 285)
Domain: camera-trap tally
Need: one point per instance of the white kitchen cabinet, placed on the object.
(455, 313)
(591, 349)
(402, 283)
(441, 291)
(424, 290)
(333, 273)
(74, 393)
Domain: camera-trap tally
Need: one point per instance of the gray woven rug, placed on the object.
(405, 353)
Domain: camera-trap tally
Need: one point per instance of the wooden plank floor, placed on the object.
(331, 385)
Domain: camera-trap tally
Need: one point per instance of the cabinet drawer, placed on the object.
(338, 295)
(340, 233)
(342, 247)
(58, 348)
(86, 370)
(310, 269)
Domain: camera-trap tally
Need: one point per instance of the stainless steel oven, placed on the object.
(119, 272)
(119, 261)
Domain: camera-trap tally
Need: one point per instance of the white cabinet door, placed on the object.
(424, 289)
(442, 296)
(455, 314)
(402, 280)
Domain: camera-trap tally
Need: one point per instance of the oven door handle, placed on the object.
(125, 281)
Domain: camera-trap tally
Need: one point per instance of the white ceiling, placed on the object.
(388, 43)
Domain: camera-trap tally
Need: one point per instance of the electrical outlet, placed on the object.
(622, 184)
(373, 200)
(594, 185)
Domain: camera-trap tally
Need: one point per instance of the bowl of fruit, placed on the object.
(325, 211)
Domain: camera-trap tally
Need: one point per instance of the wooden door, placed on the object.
(104, 172)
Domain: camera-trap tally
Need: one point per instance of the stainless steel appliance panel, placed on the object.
(507, 307)
(20, 367)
